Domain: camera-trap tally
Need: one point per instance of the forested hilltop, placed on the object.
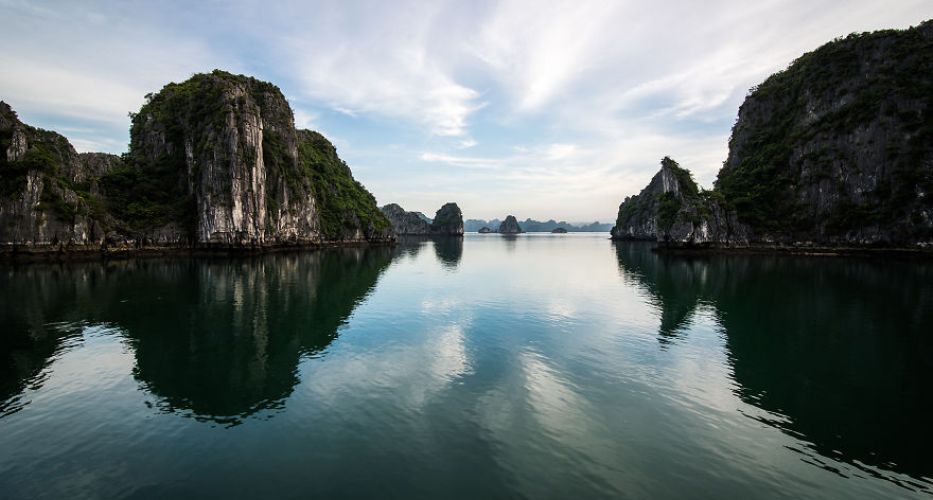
(837, 150)
(213, 162)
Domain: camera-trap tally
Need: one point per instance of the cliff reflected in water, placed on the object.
(36, 324)
(807, 339)
(216, 339)
(447, 249)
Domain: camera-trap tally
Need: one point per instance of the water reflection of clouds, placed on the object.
(410, 373)
(562, 309)
(540, 415)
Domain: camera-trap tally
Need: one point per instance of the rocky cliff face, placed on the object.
(214, 161)
(510, 226)
(448, 220)
(49, 194)
(835, 151)
(838, 149)
(405, 223)
(673, 210)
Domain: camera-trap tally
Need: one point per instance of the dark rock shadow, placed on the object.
(449, 250)
(214, 339)
(837, 349)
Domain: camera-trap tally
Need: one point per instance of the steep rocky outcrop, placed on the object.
(836, 151)
(49, 194)
(214, 162)
(672, 209)
(448, 221)
(510, 226)
(484, 230)
(405, 223)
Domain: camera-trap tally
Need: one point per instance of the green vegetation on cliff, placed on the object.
(685, 181)
(205, 119)
(345, 204)
(149, 197)
(40, 157)
(214, 160)
(854, 109)
(668, 207)
(837, 150)
(50, 157)
(151, 190)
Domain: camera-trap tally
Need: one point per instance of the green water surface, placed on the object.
(535, 366)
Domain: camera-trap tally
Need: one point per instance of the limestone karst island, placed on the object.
(430, 250)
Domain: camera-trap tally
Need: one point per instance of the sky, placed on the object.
(534, 108)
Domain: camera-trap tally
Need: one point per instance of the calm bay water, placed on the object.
(537, 366)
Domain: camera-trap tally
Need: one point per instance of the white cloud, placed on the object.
(43, 88)
(536, 48)
(565, 108)
(90, 64)
(387, 63)
(462, 161)
(560, 151)
(305, 119)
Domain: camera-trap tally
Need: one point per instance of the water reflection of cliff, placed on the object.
(35, 314)
(840, 347)
(447, 249)
(216, 339)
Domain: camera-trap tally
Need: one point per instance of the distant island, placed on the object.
(834, 153)
(214, 162)
(448, 221)
(534, 226)
(510, 226)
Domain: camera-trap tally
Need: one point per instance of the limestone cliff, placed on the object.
(510, 226)
(838, 149)
(49, 194)
(214, 162)
(672, 209)
(835, 151)
(405, 223)
(448, 220)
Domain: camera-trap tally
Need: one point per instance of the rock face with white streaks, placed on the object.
(673, 210)
(48, 192)
(214, 162)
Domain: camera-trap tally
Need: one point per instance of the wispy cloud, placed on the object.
(305, 119)
(549, 108)
(383, 61)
